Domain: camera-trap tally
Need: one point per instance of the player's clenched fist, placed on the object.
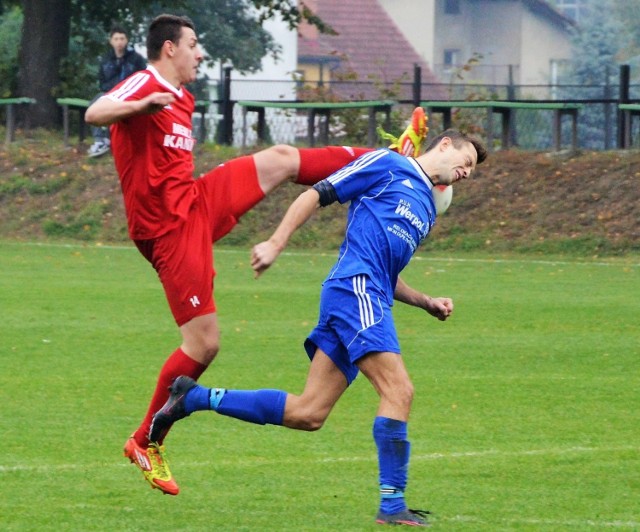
(263, 255)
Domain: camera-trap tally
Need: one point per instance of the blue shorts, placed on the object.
(355, 320)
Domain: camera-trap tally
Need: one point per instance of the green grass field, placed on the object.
(526, 414)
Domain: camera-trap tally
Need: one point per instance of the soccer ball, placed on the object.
(442, 195)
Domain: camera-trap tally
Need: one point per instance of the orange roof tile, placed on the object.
(368, 43)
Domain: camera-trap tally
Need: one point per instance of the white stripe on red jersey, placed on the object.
(130, 86)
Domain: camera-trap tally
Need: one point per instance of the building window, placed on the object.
(298, 77)
(573, 9)
(451, 58)
(452, 7)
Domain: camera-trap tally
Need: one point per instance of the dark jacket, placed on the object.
(113, 69)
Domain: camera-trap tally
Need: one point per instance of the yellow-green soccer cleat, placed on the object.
(410, 142)
(153, 464)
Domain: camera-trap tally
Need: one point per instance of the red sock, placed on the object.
(318, 163)
(177, 364)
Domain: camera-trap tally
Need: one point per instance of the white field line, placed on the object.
(472, 520)
(554, 523)
(235, 462)
(620, 262)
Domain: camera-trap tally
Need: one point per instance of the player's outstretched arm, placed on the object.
(105, 111)
(265, 253)
(438, 307)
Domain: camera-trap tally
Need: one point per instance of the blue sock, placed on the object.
(390, 436)
(197, 398)
(255, 406)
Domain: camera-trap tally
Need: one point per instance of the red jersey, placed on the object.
(153, 157)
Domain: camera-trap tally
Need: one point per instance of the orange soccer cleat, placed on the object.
(153, 464)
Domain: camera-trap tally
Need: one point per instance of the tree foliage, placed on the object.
(10, 24)
(229, 34)
(628, 15)
(597, 43)
(62, 39)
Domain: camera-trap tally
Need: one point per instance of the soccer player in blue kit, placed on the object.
(390, 214)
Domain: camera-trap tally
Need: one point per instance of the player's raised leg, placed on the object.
(305, 166)
(324, 386)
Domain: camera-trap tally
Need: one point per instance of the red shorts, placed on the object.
(183, 257)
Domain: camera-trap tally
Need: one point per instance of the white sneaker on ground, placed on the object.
(99, 148)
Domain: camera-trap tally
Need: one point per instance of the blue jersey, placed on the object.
(391, 213)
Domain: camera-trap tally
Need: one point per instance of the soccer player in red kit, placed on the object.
(173, 218)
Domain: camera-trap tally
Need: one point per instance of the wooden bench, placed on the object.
(320, 108)
(78, 104)
(630, 110)
(10, 103)
(507, 111)
(81, 105)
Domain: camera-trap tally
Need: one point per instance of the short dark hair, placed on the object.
(458, 138)
(116, 28)
(165, 28)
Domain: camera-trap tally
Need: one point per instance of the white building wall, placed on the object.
(505, 32)
(416, 19)
(277, 75)
(550, 43)
(275, 81)
(495, 31)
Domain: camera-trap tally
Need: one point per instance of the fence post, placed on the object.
(417, 85)
(607, 108)
(623, 98)
(227, 109)
(511, 95)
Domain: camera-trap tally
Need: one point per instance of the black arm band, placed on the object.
(326, 191)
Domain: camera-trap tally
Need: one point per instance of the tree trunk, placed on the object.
(44, 42)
